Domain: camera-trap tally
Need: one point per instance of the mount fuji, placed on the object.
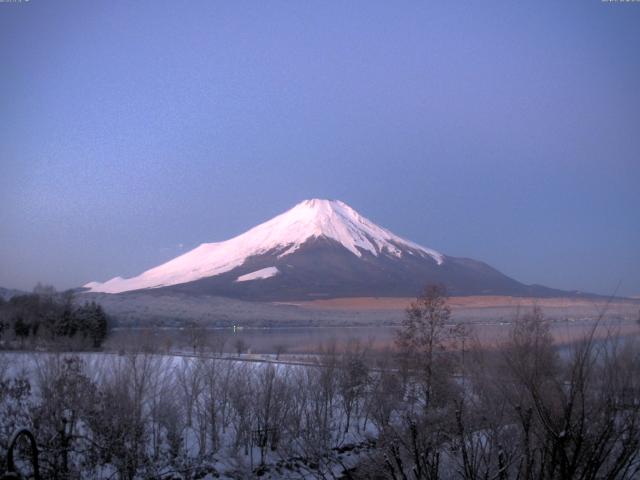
(319, 249)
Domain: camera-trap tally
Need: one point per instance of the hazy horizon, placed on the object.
(132, 132)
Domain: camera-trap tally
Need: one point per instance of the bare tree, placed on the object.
(280, 349)
(422, 339)
(216, 342)
(271, 407)
(120, 420)
(211, 402)
(195, 336)
(188, 376)
(535, 414)
(66, 394)
(580, 417)
(240, 346)
(15, 396)
(353, 378)
(241, 398)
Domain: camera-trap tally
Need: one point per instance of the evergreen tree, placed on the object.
(68, 323)
(47, 316)
(92, 322)
(99, 324)
(20, 327)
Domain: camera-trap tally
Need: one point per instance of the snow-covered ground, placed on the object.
(180, 393)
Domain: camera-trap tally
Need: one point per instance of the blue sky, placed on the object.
(501, 131)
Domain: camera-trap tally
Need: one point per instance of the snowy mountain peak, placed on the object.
(337, 221)
(282, 235)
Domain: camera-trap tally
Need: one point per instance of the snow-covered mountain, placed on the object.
(319, 248)
(282, 235)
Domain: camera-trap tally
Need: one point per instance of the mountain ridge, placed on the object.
(319, 249)
(284, 234)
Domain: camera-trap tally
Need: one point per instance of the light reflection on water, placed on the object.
(315, 339)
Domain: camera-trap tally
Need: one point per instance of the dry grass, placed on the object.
(493, 301)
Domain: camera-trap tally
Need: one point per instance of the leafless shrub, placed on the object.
(440, 406)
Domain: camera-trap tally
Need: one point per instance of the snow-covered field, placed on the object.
(184, 416)
(342, 414)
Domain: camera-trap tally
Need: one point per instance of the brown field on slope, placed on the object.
(469, 302)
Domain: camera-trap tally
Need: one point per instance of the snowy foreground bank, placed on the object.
(432, 414)
(146, 415)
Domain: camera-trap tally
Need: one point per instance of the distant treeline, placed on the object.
(46, 317)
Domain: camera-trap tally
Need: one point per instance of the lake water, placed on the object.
(316, 339)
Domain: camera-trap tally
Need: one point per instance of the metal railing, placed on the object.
(12, 472)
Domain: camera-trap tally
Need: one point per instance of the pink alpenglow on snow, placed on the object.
(259, 274)
(284, 234)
